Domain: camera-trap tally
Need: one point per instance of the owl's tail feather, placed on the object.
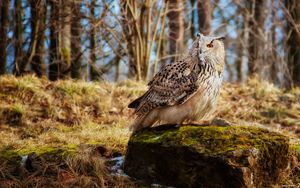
(135, 103)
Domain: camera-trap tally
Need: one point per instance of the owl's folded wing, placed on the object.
(171, 86)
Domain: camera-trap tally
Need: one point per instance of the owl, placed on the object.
(184, 90)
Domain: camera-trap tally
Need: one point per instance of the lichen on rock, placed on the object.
(207, 156)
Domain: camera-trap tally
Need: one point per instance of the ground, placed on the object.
(87, 122)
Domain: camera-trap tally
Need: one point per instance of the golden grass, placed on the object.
(260, 103)
(55, 114)
(45, 117)
(33, 111)
(40, 116)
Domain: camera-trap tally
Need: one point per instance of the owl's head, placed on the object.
(209, 49)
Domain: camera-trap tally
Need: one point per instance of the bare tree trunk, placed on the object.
(176, 27)
(239, 58)
(242, 25)
(54, 64)
(117, 68)
(256, 35)
(274, 58)
(76, 41)
(94, 74)
(293, 41)
(18, 37)
(38, 23)
(204, 16)
(4, 4)
(65, 40)
(60, 39)
(38, 16)
(140, 24)
(128, 31)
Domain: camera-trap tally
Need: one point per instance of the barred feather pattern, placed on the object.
(171, 86)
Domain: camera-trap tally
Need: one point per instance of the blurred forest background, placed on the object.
(120, 44)
(114, 40)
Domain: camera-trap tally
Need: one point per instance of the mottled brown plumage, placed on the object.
(185, 89)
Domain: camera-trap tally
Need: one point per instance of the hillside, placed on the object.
(86, 123)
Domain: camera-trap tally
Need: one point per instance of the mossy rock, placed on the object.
(207, 156)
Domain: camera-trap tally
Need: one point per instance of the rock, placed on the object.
(207, 156)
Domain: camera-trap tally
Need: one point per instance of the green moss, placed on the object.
(94, 142)
(10, 152)
(212, 140)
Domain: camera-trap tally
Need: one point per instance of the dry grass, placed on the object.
(45, 117)
(38, 113)
(66, 116)
(260, 103)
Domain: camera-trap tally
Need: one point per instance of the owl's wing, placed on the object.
(173, 85)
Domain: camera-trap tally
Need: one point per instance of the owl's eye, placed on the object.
(210, 45)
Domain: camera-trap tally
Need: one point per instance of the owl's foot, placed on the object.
(220, 122)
